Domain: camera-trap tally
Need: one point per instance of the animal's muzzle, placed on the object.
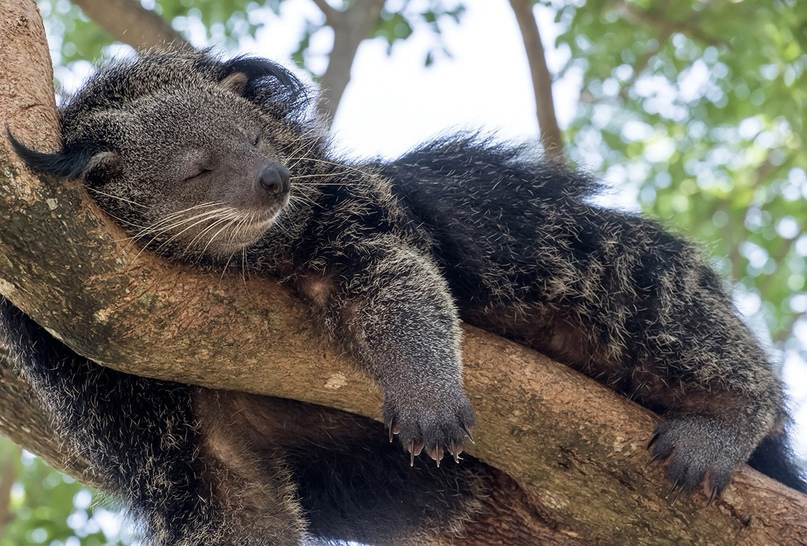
(274, 180)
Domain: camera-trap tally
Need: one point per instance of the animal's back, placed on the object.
(382, 253)
(612, 294)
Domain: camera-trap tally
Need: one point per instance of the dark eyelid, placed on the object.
(256, 140)
(201, 171)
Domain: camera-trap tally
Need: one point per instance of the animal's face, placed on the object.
(182, 149)
(194, 172)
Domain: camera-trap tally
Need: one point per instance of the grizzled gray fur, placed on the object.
(221, 164)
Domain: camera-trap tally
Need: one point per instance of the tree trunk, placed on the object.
(350, 28)
(575, 450)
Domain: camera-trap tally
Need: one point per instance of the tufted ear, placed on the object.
(93, 143)
(264, 83)
(254, 70)
(64, 164)
(235, 82)
(78, 162)
(103, 167)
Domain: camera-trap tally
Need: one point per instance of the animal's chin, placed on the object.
(216, 238)
(239, 237)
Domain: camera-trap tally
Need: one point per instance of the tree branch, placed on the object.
(551, 137)
(350, 28)
(328, 10)
(129, 22)
(632, 12)
(575, 449)
(642, 62)
(24, 53)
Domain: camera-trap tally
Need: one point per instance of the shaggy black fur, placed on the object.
(389, 255)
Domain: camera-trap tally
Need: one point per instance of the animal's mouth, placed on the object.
(242, 232)
(210, 230)
(241, 235)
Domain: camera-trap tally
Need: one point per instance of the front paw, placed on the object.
(699, 450)
(434, 422)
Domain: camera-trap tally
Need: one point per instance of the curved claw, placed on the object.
(653, 440)
(653, 459)
(468, 433)
(712, 497)
(394, 429)
(390, 424)
(675, 490)
(436, 454)
(455, 451)
(414, 449)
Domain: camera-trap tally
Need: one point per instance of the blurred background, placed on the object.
(693, 111)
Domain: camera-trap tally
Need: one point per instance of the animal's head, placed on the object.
(188, 152)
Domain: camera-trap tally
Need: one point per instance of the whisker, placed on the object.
(297, 150)
(168, 229)
(232, 221)
(322, 175)
(223, 271)
(117, 197)
(247, 219)
(194, 207)
(296, 201)
(244, 265)
(333, 164)
(174, 236)
(280, 224)
(318, 184)
(173, 216)
(200, 235)
(174, 223)
(235, 228)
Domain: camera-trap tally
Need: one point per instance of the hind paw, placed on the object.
(698, 450)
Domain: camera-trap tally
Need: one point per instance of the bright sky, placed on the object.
(393, 102)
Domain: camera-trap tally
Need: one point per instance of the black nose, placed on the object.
(274, 179)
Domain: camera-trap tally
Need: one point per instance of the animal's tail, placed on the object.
(200, 466)
(348, 481)
(139, 434)
(774, 458)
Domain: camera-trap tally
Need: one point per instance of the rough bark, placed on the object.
(129, 22)
(574, 449)
(551, 137)
(27, 100)
(508, 518)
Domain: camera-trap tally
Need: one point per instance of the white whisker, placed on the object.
(117, 197)
(230, 223)
(205, 217)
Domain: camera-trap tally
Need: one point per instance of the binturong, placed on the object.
(213, 162)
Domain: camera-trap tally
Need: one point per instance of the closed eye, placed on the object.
(256, 140)
(199, 173)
